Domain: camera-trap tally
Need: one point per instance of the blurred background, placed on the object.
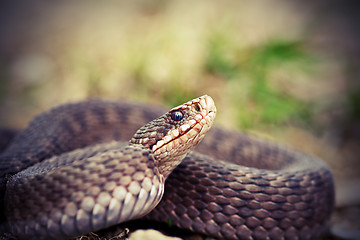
(284, 70)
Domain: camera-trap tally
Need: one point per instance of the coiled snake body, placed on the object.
(233, 187)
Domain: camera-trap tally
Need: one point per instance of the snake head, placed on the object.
(174, 134)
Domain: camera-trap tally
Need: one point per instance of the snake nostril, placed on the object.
(197, 107)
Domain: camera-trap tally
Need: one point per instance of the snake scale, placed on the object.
(86, 176)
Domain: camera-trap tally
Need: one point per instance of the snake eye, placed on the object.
(177, 115)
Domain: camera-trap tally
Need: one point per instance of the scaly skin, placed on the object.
(232, 187)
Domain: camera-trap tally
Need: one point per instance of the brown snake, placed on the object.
(233, 187)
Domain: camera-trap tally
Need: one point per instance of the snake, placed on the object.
(86, 166)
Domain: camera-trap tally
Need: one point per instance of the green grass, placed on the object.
(264, 104)
(160, 59)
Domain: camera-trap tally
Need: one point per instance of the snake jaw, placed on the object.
(172, 135)
(170, 153)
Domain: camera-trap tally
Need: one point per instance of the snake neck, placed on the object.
(168, 165)
(165, 165)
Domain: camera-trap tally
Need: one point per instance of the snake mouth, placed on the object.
(191, 131)
(203, 112)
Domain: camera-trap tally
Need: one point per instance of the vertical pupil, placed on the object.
(176, 116)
